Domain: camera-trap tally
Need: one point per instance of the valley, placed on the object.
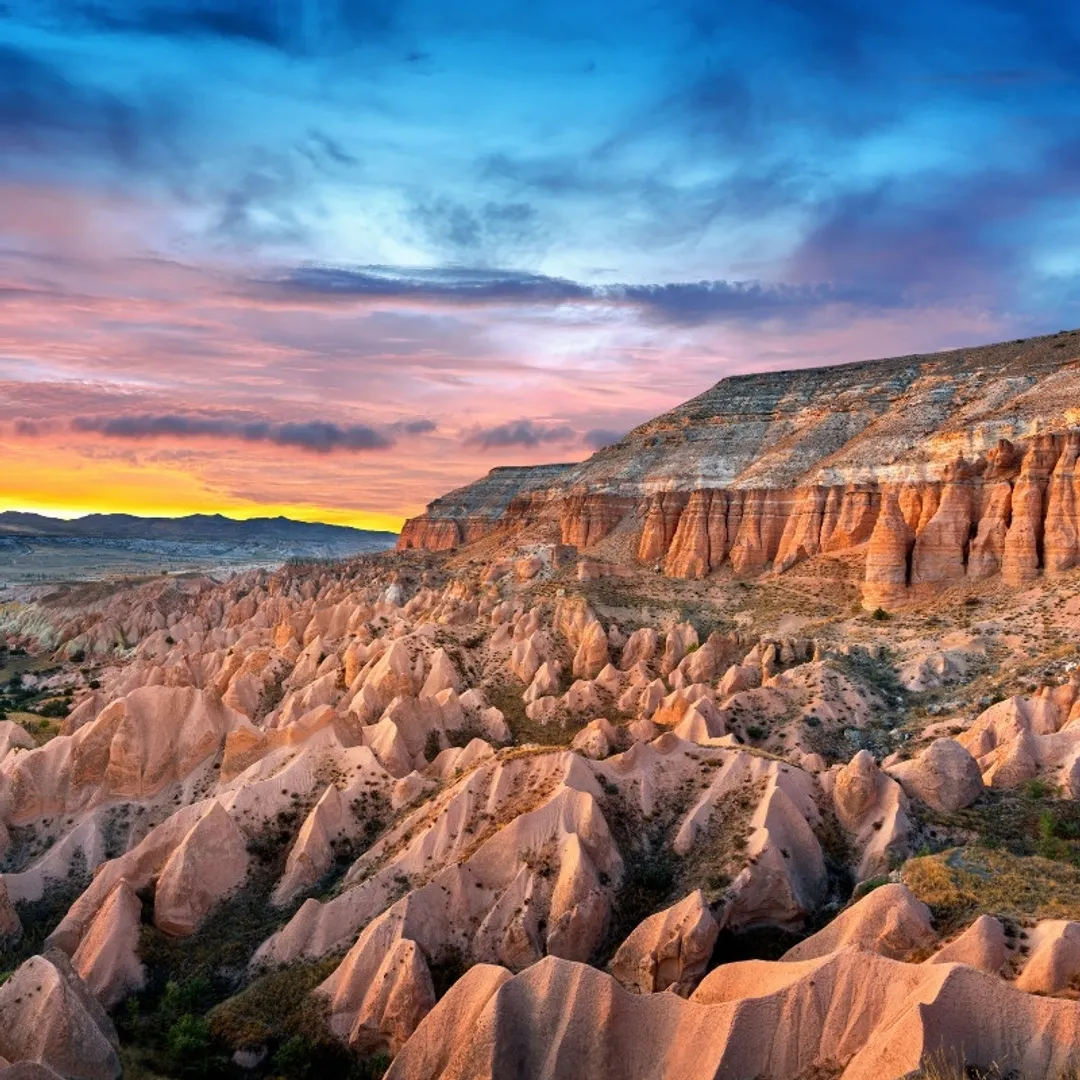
(554, 790)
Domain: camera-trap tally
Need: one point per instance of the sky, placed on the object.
(332, 259)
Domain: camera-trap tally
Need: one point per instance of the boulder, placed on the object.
(50, 1017)
(981, 945)
(592, 652)
(944, 776)
(596, 740)
(442, 676)
(888, 921)
(640, 647)
(107, 958)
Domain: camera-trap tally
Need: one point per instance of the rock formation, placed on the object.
(759, 473)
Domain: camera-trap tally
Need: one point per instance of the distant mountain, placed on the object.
(195, 527)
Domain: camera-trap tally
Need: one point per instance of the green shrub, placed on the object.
(183, 998)
(1037, 789)
(269, 1007)
(189, 1040)
(56, 708)
(868, 886)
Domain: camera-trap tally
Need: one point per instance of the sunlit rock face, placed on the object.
(939, 469)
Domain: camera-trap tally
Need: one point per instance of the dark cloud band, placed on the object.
(318, 436)
(520, 433)
(688, 302)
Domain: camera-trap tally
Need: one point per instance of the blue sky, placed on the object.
(540, 221)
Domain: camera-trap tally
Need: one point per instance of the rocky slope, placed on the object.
(495, 820)
(476, 510)
(934, 470)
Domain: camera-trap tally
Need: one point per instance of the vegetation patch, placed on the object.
(40, 918)
(199, 1008)
(1022, 821)
(271, 1008)
(505, 695)
(962, 883)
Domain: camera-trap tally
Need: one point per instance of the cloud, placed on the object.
(598, 438)
(519, 433)
(27, 427)
(687, 302)
(486, 229)
(44, 110)
(938, 238)
(318, 436)
(250, 22)
(451, 285)
(310, 26)
(421, 426)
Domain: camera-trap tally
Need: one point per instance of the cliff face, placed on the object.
(502, 498)
(942, 468)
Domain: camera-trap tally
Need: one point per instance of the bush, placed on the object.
(56, 708)
(868, 886)
(270, 1007)
(880, 615)
(189, 1040)
(294, 1057)
(1037, 789)
(183, 998)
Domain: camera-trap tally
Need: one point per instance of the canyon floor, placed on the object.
(479, 814)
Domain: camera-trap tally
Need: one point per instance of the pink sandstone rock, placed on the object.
(668, 950)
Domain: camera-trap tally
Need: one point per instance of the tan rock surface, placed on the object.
(107, 958)
(209, 864)
(944, 776)
(50, 1017)
(888, 921)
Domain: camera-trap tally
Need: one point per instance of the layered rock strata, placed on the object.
(940, 469)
